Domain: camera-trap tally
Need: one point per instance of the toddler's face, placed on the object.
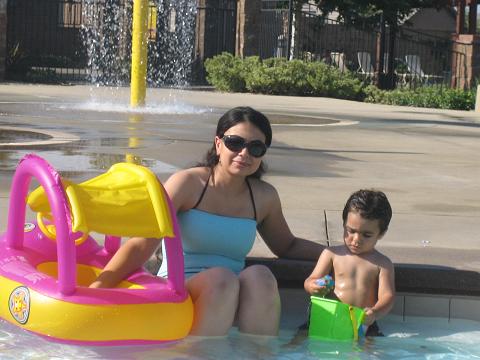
(360, 234)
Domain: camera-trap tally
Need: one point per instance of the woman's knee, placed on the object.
(259, 307)
(259, 279)
(219, 283)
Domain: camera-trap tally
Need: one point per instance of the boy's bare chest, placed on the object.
(356, 269)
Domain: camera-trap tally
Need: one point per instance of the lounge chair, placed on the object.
(415, 68)
(365, 63)
(338, 59)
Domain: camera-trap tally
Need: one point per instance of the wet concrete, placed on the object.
(16, 137)
(323, 150)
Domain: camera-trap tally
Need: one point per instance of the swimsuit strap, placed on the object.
(203, 192)
(249, 190)
(253, 200)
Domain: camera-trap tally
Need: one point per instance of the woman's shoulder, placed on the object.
(266, 197)
(184, 187)
(262, 187)
(190, 176)
(188, 180)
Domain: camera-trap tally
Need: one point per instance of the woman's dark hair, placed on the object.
(370, 204)
(231, 118)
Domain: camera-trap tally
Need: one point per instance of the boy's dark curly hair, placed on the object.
(370, 204)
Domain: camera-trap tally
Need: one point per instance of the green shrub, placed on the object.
(225, 72)
(329, 81)
(458, 99)
(278, 76)
(44, 76)
(425, 96)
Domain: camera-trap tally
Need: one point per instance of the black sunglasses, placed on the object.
(236, 143)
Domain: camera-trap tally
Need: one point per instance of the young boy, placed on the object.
(363, 276)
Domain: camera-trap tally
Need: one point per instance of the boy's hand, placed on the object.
(370, 316)
(312, 287)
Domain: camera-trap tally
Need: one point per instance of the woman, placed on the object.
(221, 204)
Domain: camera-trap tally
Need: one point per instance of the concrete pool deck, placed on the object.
(427, 161)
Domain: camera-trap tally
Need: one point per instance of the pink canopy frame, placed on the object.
(34, 166)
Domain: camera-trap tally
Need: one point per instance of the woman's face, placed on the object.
(240, 162)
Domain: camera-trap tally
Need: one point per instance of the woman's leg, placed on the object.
(215, 297)
(259, 307)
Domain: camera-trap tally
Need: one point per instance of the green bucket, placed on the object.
(334, 320)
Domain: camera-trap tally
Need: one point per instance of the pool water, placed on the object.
(416, 338)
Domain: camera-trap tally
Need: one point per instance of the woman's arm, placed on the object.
(277, 235)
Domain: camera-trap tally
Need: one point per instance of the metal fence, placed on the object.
(216, 32)
(420, 58)
(405, 58)
(275, 28)
(220, 18)
(80, 40)
(90, 40)
(44, 37)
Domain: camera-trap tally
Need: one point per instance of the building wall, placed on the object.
(468, 45)
(432, 21)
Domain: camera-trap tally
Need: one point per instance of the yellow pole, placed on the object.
(138, 86)
(133, 140)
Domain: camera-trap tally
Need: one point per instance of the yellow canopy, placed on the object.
(127, 200)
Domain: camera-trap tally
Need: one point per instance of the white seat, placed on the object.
(365, 63)
(415, 69)
(338, 59)
(385, 63)
(414, 66)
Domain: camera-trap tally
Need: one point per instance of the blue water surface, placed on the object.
(415, 338)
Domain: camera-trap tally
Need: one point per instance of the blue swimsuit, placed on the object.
(211, 240)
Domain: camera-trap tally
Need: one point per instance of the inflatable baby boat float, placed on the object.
(46, 265)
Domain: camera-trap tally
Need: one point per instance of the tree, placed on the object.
(393, 11)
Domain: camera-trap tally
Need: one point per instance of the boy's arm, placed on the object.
(386, 294)
(131, 255)
(323, 267)
(136, 251)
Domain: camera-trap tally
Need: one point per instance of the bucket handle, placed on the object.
(351, 310)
